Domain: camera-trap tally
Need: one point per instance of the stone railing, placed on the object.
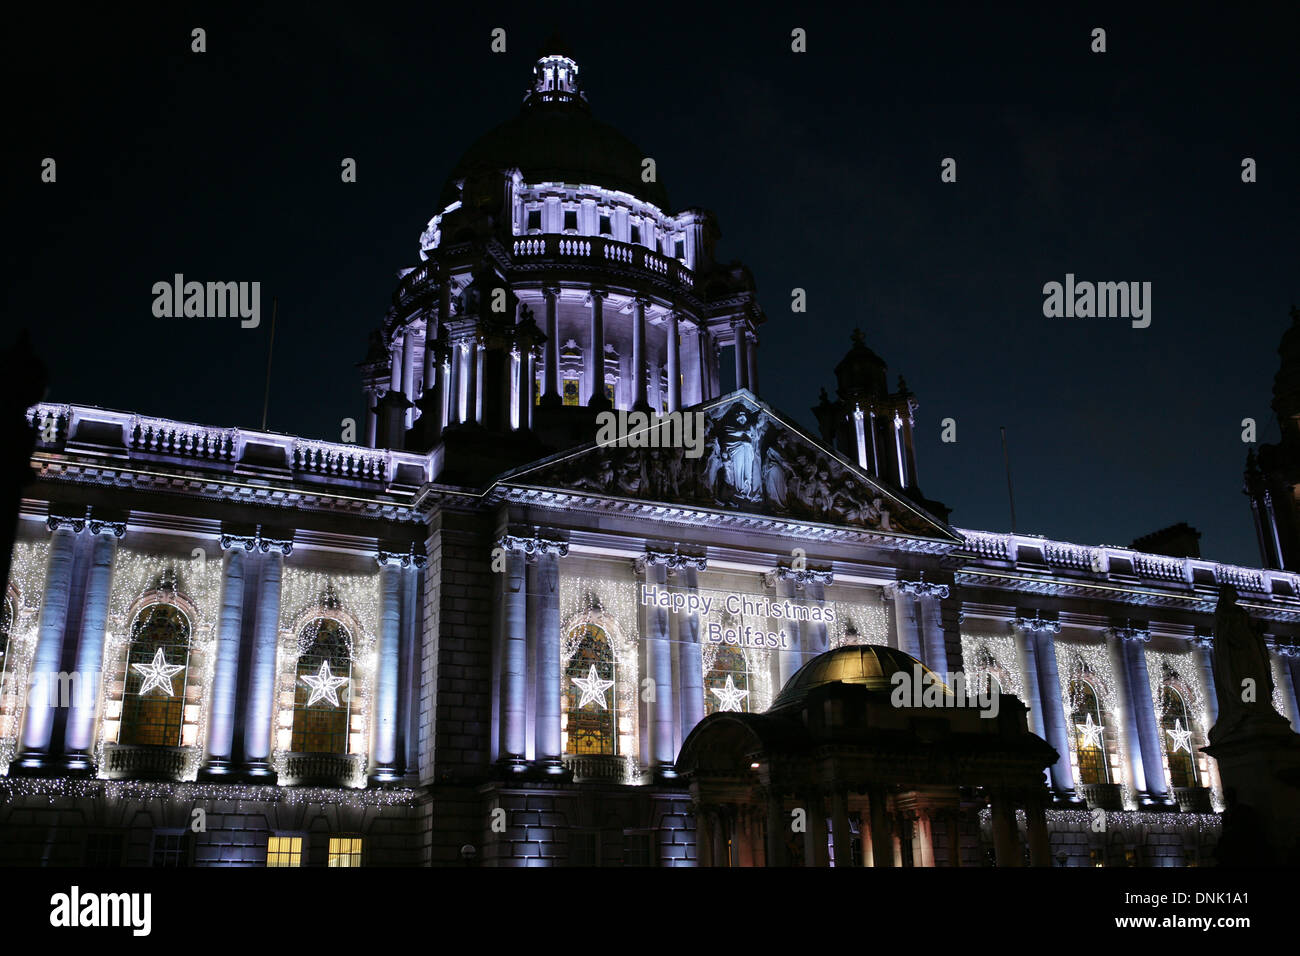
(1193, 799)
(127, 762)
(1102, 796)
(84, 428)
(320, 770)
(601, 249)
(595, 767)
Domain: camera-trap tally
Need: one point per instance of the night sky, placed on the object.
(823, 169)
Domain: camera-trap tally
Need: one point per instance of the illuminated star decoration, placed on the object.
(1181, 737)
(593, 688)
(158, 674)
(323, 685)
(1090, 732)
(729, 696)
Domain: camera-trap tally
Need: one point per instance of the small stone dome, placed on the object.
(872, 665)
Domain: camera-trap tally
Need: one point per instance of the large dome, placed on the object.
(556, 139)
(871, 665)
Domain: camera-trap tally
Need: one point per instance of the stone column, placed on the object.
(225, 677)
(776, 824)
(818, 634)
(703, 835)
(905, 614)
(1204, 650)
(38, 725)
(383, 752)
(752, 372)
(395, 362)
(1049, 695)
(79, 735)
(549, 676)
(841, 833)
(408, 369)
(640, 400)
(690, 661)
(693, 387)
(653, 569)
(1144, 708)
(1006, 845)
(1028, 662)
(524, 392)
(952, 821)
(473, 414)
(260, 712)
(1130, 750)
(551, 375)
(721, 854)
(596, 358)
(674, 360)
(741, 355)
(933, 640)
(372, 417)
(789, 659)
(1040, 841)
(882, 840)
(512, 595)
(815, 837)
(455, 374)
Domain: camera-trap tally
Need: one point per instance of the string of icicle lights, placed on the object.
(1129, 823)
(984, 655)
(55, 788)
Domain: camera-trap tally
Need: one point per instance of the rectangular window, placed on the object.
(284, 851)
(636, 235)
(571, 219)
(605, 228)
(582, 848)
(535, 219)
(104, 849)
(679, 249)
(171, 849)
(345, 851)
(636, 849)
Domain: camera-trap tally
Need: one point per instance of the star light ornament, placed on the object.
(1181, 737)
(1090, 732)
(593, 688)
(729, 695)
(158, 673)
(324, 685)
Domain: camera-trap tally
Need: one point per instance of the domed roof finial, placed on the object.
(555, 75)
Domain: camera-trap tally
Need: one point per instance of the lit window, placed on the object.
(1176, 732)
(590, 694)
(571, 395)
(1089, 734)
(726, 680)
(345, 851)
(323, 696)
(157, 669)
(284, 851)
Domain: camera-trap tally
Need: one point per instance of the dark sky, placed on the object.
(823, 169)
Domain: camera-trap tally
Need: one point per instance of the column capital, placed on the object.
(923, 588)
(800, 576)
(532, 545)
(674, 559)
(1129, 633)
(1204, 642)
(641, 300)
(1036, 624)
(551, 289)
(256, 542)
(398, 559)
(66, 523)
(595, 295)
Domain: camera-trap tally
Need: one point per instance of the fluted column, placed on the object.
(549, 676)
(790, 658)
(396, 363)
(906, 618)
(1049, 689)
(690, 660)
(79, 736)
(260, 712)
(225, 676)
(384, 757)
(551, 377)
(674, 361)
(818, 633)
(926, 616)
(1130, 748)
(512, 595)
(1028, 662)
(693, 383)
(1135, 641)
(1203, 648)
(653, 570)
(596, 357)
(38, 726)
(640, 399)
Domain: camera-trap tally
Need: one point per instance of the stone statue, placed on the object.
(1241, 664)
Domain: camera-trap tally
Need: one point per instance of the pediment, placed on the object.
(738, 455)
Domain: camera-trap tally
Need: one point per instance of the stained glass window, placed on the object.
(157, 670)
(1089, 735)
(322, 701)
(726, 685)
(590, 694)
(571, 395)
(1175, 731)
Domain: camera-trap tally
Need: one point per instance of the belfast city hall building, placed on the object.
(567, 603)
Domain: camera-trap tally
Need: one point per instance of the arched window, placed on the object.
(1089, 734)
(1176, 732)
(157, 670)
(726, 685)
(322, 704)
(590, 694)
